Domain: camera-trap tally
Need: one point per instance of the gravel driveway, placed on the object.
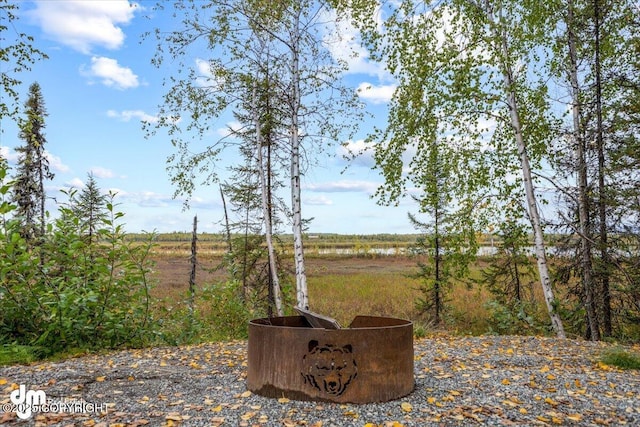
(499, 381)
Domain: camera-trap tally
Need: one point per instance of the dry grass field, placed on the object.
(341, 287)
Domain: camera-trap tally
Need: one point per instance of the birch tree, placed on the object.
(304, 76)
(472, 65)
(17, 54)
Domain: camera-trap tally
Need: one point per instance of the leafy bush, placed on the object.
(224, 315)
(72, 291)
(516, 318)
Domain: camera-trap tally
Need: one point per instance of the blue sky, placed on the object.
(98, 84)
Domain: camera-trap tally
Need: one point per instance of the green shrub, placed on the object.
(621, 358)
(222, 314)
(75, 290)
(516, 319)
(14, 353)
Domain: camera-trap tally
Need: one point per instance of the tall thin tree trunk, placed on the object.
(226, 221)
(607, 328)
(532, 207)
(302, 295)
(583, 198)
(194, 262)
(266, 211)
(436, 286)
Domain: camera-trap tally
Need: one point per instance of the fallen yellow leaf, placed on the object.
(247, 416)
(406, 406)
(350, 413)
(100, 379)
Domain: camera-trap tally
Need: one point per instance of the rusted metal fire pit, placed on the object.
(309, 357)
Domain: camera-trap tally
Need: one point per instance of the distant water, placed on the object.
(482, 251)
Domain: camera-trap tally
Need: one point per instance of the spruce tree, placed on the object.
(33, 169)
(90, 208)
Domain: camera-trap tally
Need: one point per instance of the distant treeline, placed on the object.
(321, 239)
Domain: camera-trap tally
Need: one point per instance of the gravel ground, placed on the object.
(458, 381)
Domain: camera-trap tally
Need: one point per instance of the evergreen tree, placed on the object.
(448, 242)
(33, 168)
(90, 208)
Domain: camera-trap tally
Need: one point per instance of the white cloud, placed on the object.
(55, 163)
(83, 24)
(144, 198)
(75, 183)
(343, 42)
(376, 94)
(344, 186)
(111, 73)
(100, 172)
(210, 74)
(230, 129)
(318, 201)
(359, 152)
(10, 155)
(128, 115)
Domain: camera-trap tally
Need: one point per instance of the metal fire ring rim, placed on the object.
(405, 323)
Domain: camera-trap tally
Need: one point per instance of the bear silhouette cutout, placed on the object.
(329, 368)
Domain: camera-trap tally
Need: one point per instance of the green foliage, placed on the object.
(72, 292)
(621, 358)
(514, 319)
(14, 353)
(16, 56)
(224, 316)
(510, 275)
(33, 169)
(230, 312)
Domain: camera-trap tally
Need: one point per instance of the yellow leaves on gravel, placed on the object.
(387, 424)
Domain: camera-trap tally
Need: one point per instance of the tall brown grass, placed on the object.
(342, 288)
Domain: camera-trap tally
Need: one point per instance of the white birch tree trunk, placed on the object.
(532, 206)
(302, 296)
